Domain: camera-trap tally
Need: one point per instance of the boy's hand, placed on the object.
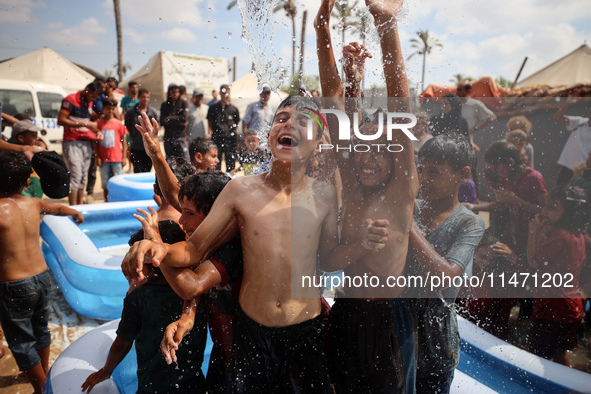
(174, 334)
(376, 235)
(143, 252)
(94, 379)
(504, 195)
(77, 218)
(536, 224)
(149, 132)
(384, 10)
(354, 55)
(501, 250)
(149, 224)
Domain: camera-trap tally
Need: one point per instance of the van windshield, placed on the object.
(17, 101)
(49, 104)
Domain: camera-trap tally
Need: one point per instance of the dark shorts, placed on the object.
(23, 314)
(279, 359)
(372, 346)
(435, 384)
(549, 338)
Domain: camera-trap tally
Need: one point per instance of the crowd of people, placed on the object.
(228, 252)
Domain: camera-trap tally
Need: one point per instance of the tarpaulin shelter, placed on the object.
(192, 71)
(47, 66)
(574, 68)
(485, 87)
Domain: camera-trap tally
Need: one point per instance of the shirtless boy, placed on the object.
(279, 337)
(24, 277)
(375, 184)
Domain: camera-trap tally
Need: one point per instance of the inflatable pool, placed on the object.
(86, 259)
(131, 187)
(88, 354)
(505, 368)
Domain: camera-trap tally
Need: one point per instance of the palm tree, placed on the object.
(120, 66)
(344, 12)
(423, 45)
(290, 10)
(360, 23)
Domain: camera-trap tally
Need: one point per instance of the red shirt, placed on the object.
(110, 148)
(77, 109)
(529, 186)
(560, 254)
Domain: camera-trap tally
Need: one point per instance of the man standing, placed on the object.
(174, 116)
(259, 115)
(140, 159)
(477, 114)
(79, 132)
(223, 118)
(198, 126)
(214, 98)
(129, 101)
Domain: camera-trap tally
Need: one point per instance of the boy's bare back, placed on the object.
(20, 254)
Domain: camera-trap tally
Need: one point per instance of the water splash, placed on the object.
(257, 33)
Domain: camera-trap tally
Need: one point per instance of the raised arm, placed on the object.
(166, 178)
(60, 210)
(330, 82)
(385, 15)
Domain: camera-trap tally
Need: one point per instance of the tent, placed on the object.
(244, 91)
(574, 68)
(45, 65)
(193, 71)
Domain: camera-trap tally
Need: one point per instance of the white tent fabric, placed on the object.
(574, 68)
(193, 71)
(45, 65)
(244, 91)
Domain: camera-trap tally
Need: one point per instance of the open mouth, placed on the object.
(287, 141)
(368, 171)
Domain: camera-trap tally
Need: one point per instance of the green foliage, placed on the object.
(504, 82)
(457, 78)
(311, 81)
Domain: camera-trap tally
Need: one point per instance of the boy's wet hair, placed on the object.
(576, 208)
(181, 169)
(109, 102)
(517, 135)
(201, 145)
(501, 152)
(451, 148)
(300, 103)
(15, 169)
(95, 86)
(203, 188)
(170, 232)
(142, 91)
(251, 132)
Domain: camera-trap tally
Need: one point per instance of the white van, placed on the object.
(40, 101)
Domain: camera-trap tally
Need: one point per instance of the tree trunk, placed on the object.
(119, 40)
(423, 77)
(303, 41)
(293, 47)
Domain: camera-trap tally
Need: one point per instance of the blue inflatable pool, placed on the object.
(86, 259)
(131, 187)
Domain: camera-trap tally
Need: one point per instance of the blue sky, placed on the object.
(478, 37)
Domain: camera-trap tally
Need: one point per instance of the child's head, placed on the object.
(503, 161)
(204, 154)
(567, 208)
(251, 140)
(444, 165)
(288, 137)
(181, 169)
(518, 138)
(109, 106)
(25, 132)
(170, 232)
(197, 195)
(519, 122)
(15, 170)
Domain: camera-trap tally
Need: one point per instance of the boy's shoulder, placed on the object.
(150, 289)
